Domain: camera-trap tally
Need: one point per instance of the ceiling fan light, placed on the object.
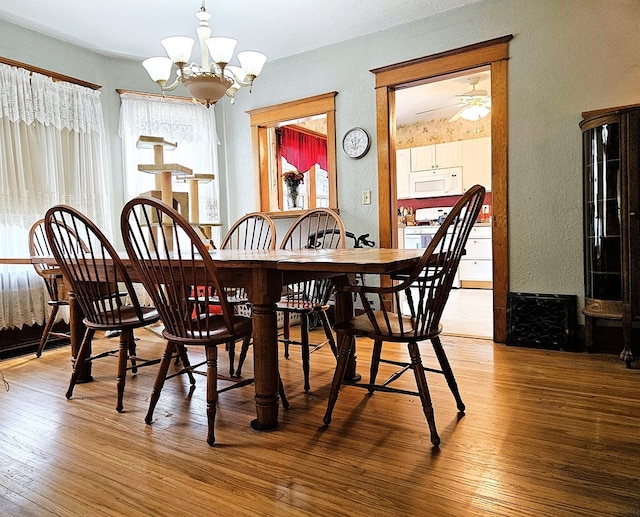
(178, 48)
(474, 112)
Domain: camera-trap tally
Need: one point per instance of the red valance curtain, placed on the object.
(302, 150)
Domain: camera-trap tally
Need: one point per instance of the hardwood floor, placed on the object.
(545, 433)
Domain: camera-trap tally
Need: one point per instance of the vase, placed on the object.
(292, 197)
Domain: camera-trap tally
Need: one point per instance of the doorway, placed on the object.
(493, 54)
(448, 119)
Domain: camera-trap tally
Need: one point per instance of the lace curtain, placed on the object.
(191, 126)
(52, 150)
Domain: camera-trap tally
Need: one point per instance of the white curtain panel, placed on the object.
(191, 126)
(52, 150)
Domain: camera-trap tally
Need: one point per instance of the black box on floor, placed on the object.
(542, 320)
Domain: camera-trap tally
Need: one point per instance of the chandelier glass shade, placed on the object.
(210, 80)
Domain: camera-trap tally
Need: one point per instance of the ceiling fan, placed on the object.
(474, 104)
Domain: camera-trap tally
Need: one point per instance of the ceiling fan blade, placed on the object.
(440, 108)
(457, 114)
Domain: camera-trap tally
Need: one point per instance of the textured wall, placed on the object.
(566, 57)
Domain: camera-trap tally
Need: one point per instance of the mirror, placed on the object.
(295, 155)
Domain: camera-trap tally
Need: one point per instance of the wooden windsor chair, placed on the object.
(100, 283)
(427, 289)
(178, 273)
(320, 228)
(254, 231)
(53, 279)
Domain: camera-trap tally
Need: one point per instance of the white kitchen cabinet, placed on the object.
(436, 156)
(476, 273)
(476, 163)
(476, 269)
(403, 168)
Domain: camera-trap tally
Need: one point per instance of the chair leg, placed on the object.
(304, 335)
(47, 330)
(126, 337)
(132, 352)
(423, 390)
(231, 348)
(448, 372)
(181, 355)
(345, 343)
(283, 396)
(375, 363)
(212, 390)
(83, 354)
(160, 378)
(243, 355)
(328, 332)
(285, 334)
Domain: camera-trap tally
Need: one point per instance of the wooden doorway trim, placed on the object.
(493, 53)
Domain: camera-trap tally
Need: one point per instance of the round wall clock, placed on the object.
(356, 142)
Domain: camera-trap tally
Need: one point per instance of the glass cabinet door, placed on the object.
(602, 205)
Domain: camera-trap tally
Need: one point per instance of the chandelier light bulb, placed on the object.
(251, 63)
(178, 48)
(221, 50)
(159, 69)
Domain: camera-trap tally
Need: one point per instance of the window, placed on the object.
(311, 121)
(53, 150)
(192, 128)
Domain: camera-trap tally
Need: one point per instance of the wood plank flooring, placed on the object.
(545, 433)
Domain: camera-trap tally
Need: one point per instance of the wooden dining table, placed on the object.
(263, 273)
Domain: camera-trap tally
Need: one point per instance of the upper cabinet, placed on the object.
(403, 168)
(436, 156)
(476, 163)
(474, 156)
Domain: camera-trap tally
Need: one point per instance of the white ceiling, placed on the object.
(439, 98)
(279, 28)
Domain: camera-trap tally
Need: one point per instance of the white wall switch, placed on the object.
(366, 197)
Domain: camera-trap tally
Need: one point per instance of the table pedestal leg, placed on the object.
(264, 291)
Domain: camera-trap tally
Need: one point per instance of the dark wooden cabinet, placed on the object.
(611, 163)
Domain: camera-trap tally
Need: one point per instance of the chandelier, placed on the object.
(209, 81)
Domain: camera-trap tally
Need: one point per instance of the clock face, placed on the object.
(356, 142)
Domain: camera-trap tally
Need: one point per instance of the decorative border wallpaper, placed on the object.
(438, 131)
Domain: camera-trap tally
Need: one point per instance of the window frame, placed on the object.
(262, 119)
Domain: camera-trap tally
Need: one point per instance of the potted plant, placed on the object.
(292, 180)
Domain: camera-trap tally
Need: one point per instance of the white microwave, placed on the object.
(436, 182)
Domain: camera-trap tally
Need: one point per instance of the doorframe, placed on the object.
(495, 54)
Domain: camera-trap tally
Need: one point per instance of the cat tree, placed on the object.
(187, 204)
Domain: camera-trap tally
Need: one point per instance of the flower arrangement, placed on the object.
(293, 178)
